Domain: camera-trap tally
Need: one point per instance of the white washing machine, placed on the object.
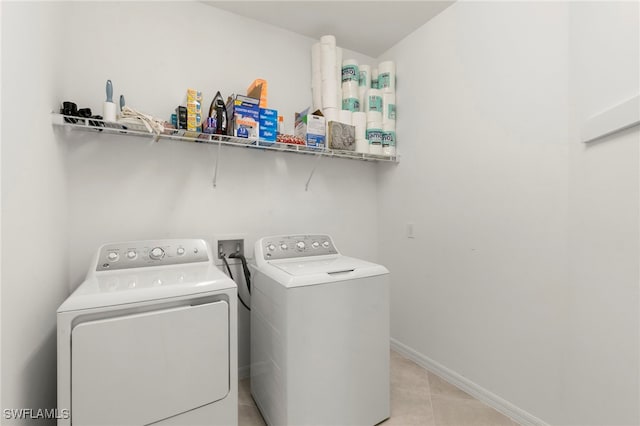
(150, 337)
(319, 334)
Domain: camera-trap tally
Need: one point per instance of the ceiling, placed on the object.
(369, 27)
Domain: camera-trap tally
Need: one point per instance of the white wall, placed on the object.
(604, 253)
(34, 205)
(128, 189)
(508, 283)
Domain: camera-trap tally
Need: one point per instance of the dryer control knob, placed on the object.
(325, 244)
(180, 251)
(283, 246)
(315, 244)
(271, 247)
(131, 254)
(156, 253)
(301, 245)
(113, 256)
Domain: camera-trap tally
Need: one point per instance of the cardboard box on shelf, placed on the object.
(246, 117)
(311, 128)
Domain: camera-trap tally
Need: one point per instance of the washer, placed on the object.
(319, 334)
(150, 337)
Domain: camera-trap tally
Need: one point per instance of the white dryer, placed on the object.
(150, 337)
(319, 334)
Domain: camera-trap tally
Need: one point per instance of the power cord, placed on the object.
(224, 259)
(245, 269)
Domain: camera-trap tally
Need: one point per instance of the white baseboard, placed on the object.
(503, 406)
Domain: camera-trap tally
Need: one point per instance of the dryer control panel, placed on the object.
(139, 254)
(294, 246)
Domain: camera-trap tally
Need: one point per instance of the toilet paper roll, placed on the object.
(315, 58)
(345, 117)
(364, 78)
(374, 78)
(362, 91)
(351, 88)
(359, 120)
(389, 109)
(109, 111)
(316, 81)
(330, 94)
(329, 40)
(373, 100)
(331, 114)
(350, 71)
(327, 61)
(362, 146)
(374, 117)
(387, 76)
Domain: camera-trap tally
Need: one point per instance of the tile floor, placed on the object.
(418, 397)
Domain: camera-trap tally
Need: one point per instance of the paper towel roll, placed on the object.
(350, 71)
(339, 64)
(374, 135)
(374, 117)
(327, 61)
(359, 120)
(374, 78)
(362, 91)
(351, 104)
(331, 114)
(362, 146)
(330, 94)
(389, 109)
(387, 76)
(365, 76)
(351, 88)
(328, 39)
(345, 117)
(315, 58)
(373, 100)
(389, 139)
(316, 98)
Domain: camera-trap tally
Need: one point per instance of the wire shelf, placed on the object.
(96, 125)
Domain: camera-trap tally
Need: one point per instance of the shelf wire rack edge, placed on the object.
(121, 129)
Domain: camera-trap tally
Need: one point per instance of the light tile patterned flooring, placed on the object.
(418, 397)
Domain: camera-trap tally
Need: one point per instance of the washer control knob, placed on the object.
(325, 244)
(156, 253)
(301, 245)
(113, 256)
(271, 247)
(131, 254)
(180, 251)
(315, 244)
(283, 246)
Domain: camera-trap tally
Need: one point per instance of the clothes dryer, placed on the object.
(150, 337)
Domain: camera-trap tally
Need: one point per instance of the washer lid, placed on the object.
(112, 288)
(312, 271)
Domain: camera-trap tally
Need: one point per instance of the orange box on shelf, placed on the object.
(258, 90)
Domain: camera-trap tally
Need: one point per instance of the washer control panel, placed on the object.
(140, 254)
(292, 246)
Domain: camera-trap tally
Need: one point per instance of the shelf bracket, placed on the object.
(318, 157)
(215, 169)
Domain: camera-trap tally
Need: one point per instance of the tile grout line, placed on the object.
(433, 413)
